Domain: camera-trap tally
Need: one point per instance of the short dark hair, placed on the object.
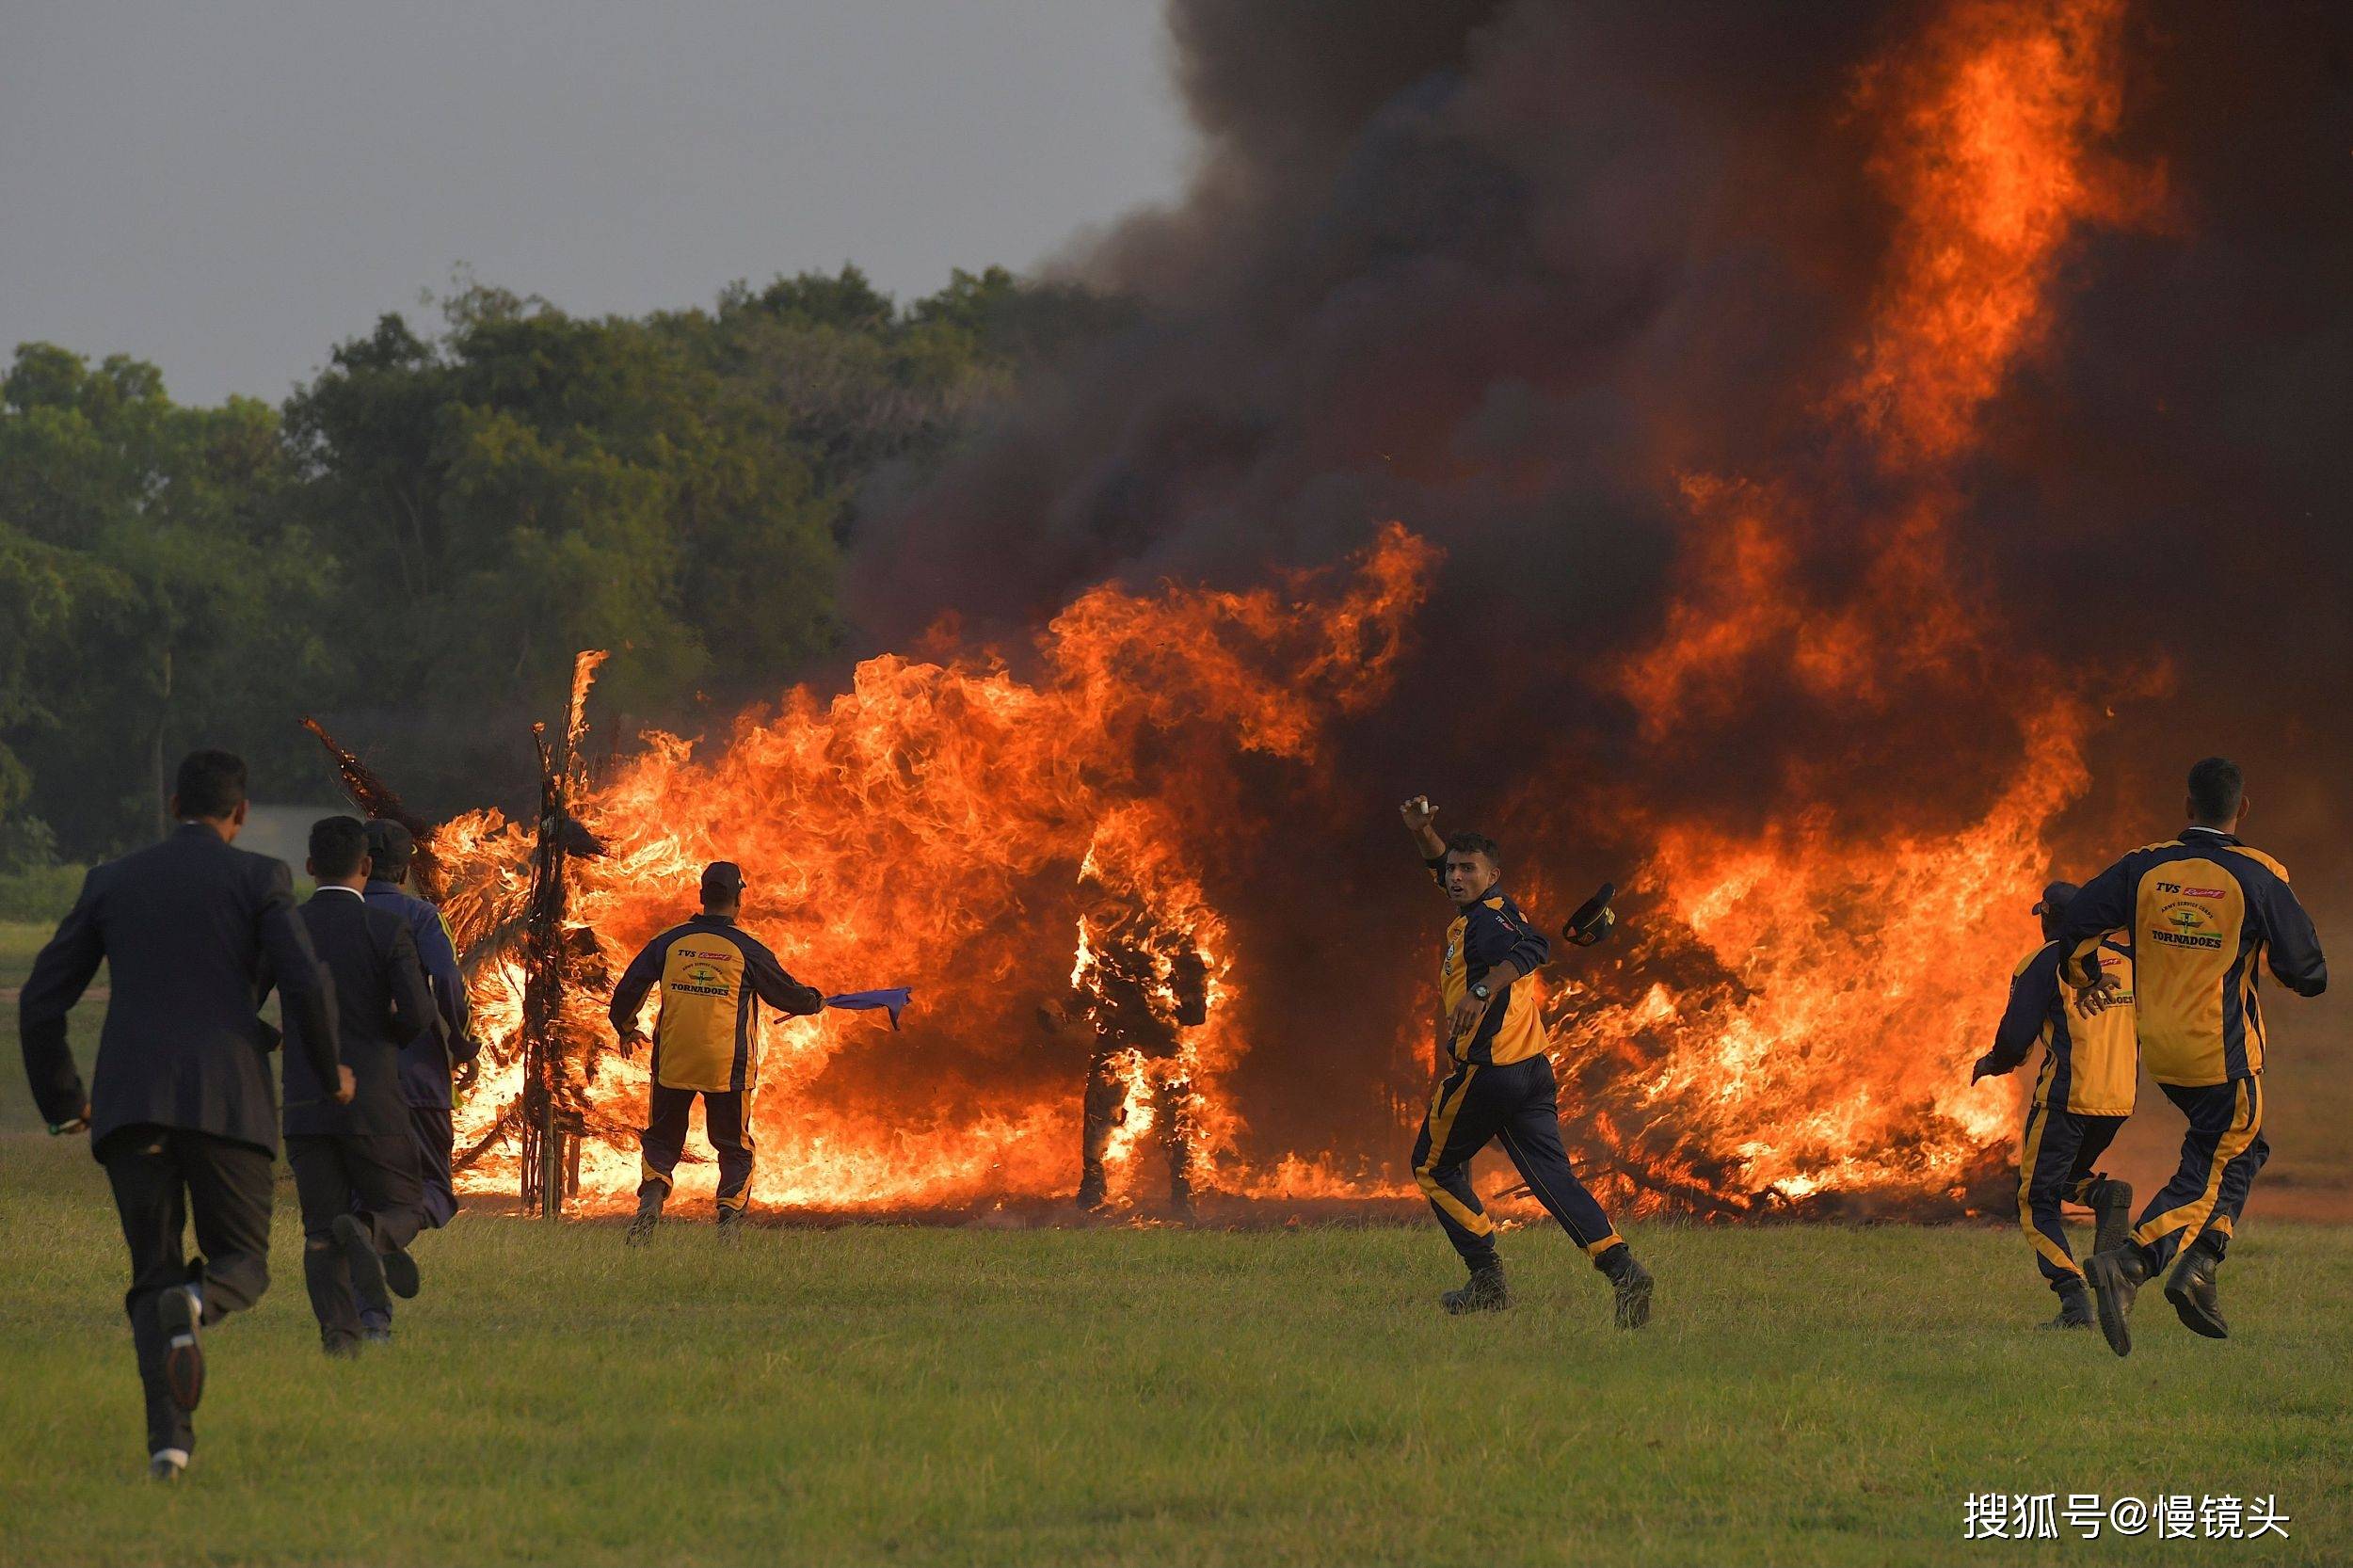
(2215, 788)
(211, 784)
(1467, 843)
(338, 844)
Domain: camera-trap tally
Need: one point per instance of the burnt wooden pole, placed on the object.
(550, 1120)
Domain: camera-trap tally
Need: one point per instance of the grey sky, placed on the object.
(228, 189)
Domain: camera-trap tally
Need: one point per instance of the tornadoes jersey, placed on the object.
(2091, 1061)
(712, 974)
(1481, 936)
(2205, 916)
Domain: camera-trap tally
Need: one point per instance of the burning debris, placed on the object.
(1682, 352)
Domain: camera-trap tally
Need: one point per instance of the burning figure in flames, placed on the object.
(1144, 982)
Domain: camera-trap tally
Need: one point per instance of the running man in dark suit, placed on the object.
(430, 1064)
(356, 1164)
(180, 1109)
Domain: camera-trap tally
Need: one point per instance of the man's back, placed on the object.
(2206, 915)
(185, 926)
(381, 1003)
(425, 1062)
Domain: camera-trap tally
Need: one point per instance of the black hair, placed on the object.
(211, 784)
(1467, 843)
(338, 844)
(2215, 786)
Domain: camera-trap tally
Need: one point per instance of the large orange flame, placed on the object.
(1847, 981)
(928, 825)
(1790, 1019)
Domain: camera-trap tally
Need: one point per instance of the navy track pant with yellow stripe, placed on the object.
(2055, 1166)
(2221, 1152)
(663, 1141)
(1518, 1104)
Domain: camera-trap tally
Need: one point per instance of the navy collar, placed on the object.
(2211, 833)
(1496, 891)
(705, 917)
(384, 885)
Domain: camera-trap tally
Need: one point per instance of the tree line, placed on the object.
(419, 539)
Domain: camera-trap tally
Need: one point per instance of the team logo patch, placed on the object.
(2184, 925)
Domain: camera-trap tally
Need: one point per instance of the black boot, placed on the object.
(1631, 1285)
(649, 1198)
(2191, 1289)
(400, 1274)
(1483, 1293)
(2111, 1204)
(2116, 1277)
(731, 1224)
(2074, 1307)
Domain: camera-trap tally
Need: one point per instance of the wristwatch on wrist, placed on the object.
(1479, 990)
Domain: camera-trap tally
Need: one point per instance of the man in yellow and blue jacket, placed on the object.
(714, 976)
(2082, 1094)
(2204, 916)
(1501, 1084)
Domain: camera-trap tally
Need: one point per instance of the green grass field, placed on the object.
(888, 1393)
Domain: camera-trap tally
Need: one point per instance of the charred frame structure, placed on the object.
(548, 1118)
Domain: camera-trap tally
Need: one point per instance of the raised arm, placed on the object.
(60, 974)
(1420, 817)
(776, 988)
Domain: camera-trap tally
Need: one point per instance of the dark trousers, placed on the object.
(665, 1140)
(161, 1177)
(1518, 1104)
(1100, 1116)
(2221, 1151)
(437, 1144)
(371, 1177)
(2055, 1166)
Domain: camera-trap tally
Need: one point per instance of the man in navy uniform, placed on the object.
(2082, 1095)
(180, 1111)
(355, 1163)
(714, 976)
(432, 1062)
(1501, 1083)
(2206, 914)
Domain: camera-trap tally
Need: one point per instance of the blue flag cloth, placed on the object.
(894, 1000)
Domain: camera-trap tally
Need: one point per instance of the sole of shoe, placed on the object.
(2194, 1315)
(183, 1347)
(2112, 1219)
(2108, 1302)
(367, 1264)
(1631, 1305)
(400, 1274)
